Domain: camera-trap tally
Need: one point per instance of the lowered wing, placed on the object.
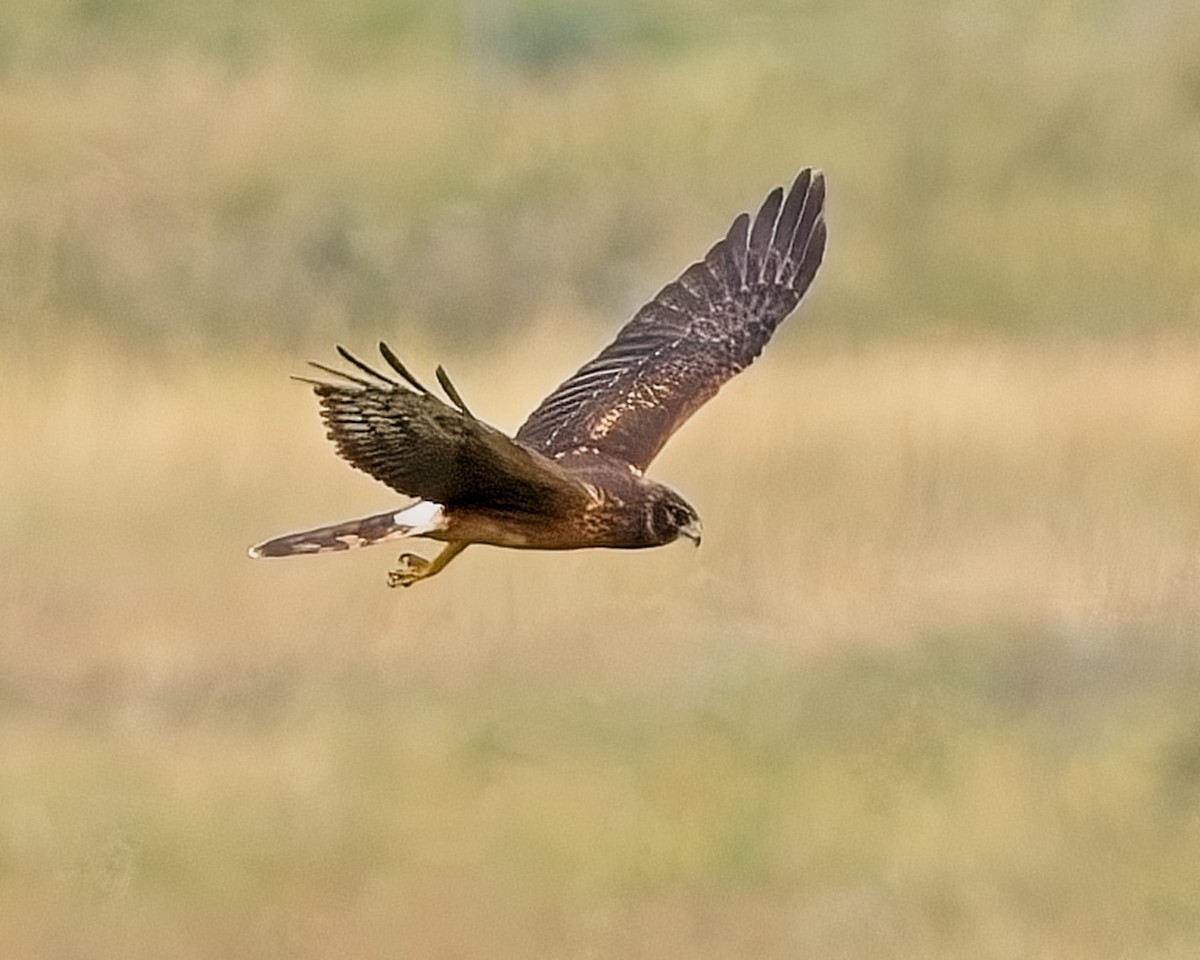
(401, 434)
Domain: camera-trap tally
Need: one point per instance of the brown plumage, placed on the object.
(572, 475)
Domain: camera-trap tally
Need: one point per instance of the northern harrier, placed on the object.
(572, 476)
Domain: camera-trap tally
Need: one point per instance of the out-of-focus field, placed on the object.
(930, 687)
(286, 169)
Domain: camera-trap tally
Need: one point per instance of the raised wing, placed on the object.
(699, 331)
(401, 434)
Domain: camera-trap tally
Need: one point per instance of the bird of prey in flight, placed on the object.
(573, 476)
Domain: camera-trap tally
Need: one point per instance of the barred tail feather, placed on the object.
(420, 519)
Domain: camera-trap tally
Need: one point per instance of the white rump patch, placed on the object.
(424, 516)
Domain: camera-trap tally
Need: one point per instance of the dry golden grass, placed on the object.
(868, 494)
(926, 689)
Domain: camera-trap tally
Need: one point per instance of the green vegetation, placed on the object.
(267, 172)
(935, 803)
(928, 690)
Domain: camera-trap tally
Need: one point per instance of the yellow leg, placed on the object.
(413, 568)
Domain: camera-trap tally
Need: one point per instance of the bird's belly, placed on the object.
(527, 532)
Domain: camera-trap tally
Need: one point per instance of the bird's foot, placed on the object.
(410, 568)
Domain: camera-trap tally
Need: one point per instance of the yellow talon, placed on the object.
(412, 568)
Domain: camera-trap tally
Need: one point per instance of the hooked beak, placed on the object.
(693, 531)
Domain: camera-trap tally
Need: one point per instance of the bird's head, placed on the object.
(670, 517)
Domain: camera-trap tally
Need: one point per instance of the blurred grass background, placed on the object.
(928, 689)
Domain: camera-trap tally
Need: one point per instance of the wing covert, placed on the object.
(696, 334)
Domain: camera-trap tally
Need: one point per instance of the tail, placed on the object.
(418, 520)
